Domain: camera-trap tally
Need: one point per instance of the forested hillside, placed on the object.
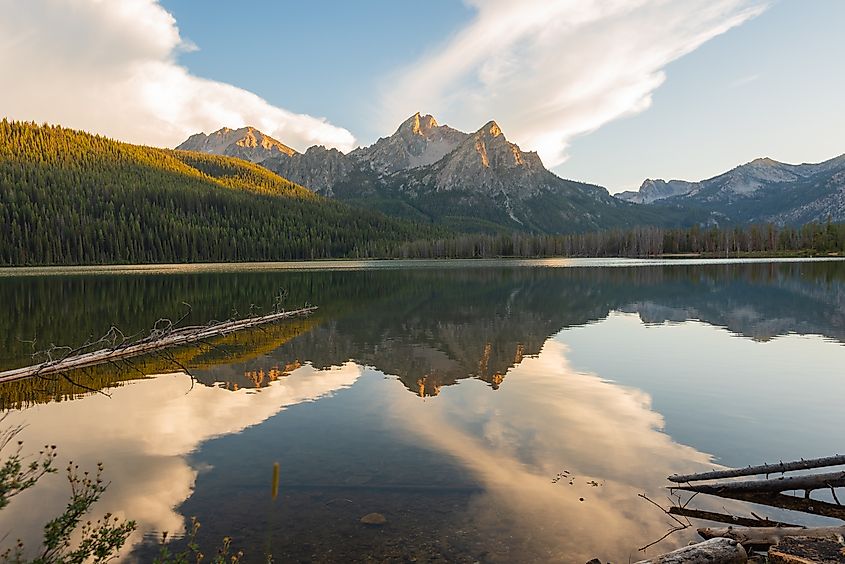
(68, 197)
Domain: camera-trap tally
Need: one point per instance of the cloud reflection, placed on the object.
(551, 420)
(143, 434)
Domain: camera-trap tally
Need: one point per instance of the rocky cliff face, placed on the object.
(317, 168)
(245, 143)
(419, 141)
(763, 190)
(487, 162)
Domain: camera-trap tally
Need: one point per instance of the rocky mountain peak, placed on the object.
(418, 124)
(247, 143)
(419, 141)
(492, 129)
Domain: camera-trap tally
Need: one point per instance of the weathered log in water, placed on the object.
(174, 338)
(785, 501)
(725, 518)
(713, 551)
(767, 469)
(774, 485)
(763, 536)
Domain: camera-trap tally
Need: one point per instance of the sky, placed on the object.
(607, 91)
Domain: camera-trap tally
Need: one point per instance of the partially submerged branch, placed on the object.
(767, 469)
(164, 335)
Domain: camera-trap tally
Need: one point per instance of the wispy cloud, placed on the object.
(110, 67)
(742, 81)
(549, 71)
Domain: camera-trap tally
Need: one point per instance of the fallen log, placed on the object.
(785, 501)
(174, 338)
(762, 536)
(773, 485)
(714, 551)
(724, 518)
(767, 469)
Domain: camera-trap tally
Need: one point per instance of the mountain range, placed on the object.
(433, 173)
(480, 181)
(761, 191)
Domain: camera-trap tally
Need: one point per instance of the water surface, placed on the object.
(492, 411)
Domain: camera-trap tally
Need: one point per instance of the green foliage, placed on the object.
(69, 540)
(67, 197)
(99, 541)
(17, 475)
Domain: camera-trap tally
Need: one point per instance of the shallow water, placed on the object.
(493, 411)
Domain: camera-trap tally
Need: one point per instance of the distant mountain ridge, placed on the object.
(763, 190)
(469, 182)
(245, 143)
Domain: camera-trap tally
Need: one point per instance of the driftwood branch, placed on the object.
(763, 536)
(767, 469)
(163, 335)
(774, 485)
(679, 526)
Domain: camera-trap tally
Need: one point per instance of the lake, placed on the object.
(492, 411)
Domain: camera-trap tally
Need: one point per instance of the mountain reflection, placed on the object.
(471, 470)
(605, 437)
(430, 328)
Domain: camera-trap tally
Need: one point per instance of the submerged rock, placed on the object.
(374, 519)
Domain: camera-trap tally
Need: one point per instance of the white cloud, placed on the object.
(550, 71)
(109, 67)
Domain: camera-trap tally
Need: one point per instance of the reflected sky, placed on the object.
(448, 400)
(143, 433)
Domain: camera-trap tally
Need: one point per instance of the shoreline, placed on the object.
(398, 264)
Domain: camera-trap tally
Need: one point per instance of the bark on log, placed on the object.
(771, 535)
(773, 485)
(714, 551)
(177, 337)
(778, 468)
(802, 550)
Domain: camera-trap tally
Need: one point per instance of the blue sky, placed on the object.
(608, 91)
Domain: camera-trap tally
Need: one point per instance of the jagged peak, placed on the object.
(492, 128)
(418, 124)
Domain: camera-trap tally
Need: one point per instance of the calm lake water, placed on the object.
(449, 397)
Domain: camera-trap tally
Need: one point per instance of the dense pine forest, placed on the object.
(813, 239)
(68, 197)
